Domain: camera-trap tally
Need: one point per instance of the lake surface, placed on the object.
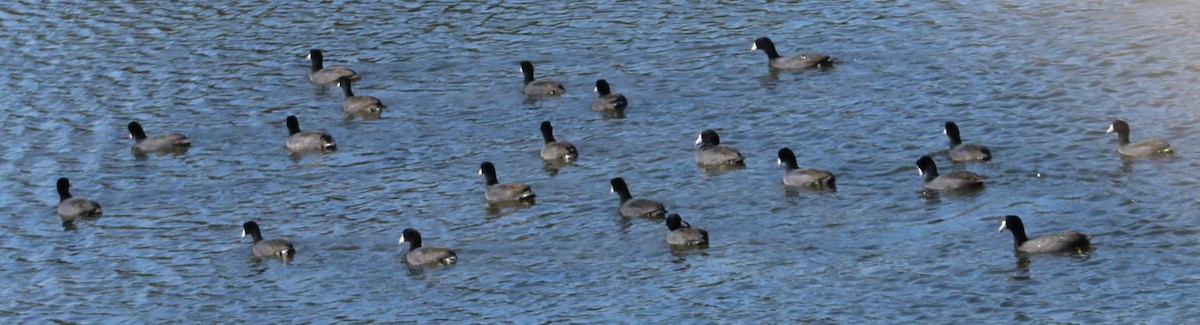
(1038, 82)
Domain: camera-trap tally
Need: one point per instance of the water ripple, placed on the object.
(1037, 82)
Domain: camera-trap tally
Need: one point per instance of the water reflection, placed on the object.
(1021, 270)
(1024, 260)
(70, 224)
(623, 223)
(717, 170)
(682, 252)
(934, 196)
(495, 209)
(771, 80)
(1127, 162)
(298, 156)
(323, 90)
(420, 271)
(265, 260)
(873, 109)
(551, 167)
(173, 151)
(799, 191)
(365, 115)
(613, 114)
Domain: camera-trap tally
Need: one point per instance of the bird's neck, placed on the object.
(1019, 237)
(931, 174)
(625, 196)
(1123, 137)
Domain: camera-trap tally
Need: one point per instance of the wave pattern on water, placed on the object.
(1037, 82)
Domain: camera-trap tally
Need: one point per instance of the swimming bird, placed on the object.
(712, 152)
(682, 233)
(1140, 149)
(608, 100)
(164, 143)
(495, 192)
(366, 106)
(1067, 242)
(419, 255)
(71, 208)
(960, 151)
(267, 248)
(556, 150)
(539, 87)
(631, 207)
(802, 61)
(323, 76)
(949, 182)
(308, 140)
(809, 177)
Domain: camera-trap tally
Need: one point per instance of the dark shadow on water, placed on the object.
(797, 191)
(533, 99)
(771, 79)
(144, 155)
(718, 170)
(792, 191)
(73, 223)
(615, 114)
(322, 90)
(553, 166)
(775, 72)
(624, 223)
(297, 156)
(1127, 162)
(365, 116)
(956, 166)
(419, 271)
(497, 209)
(550, 170)
(681, 252)
(1024, 260)
(263, 261)
(1126, 165)
(932, 196)
(1022, 270)
(414, 271)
